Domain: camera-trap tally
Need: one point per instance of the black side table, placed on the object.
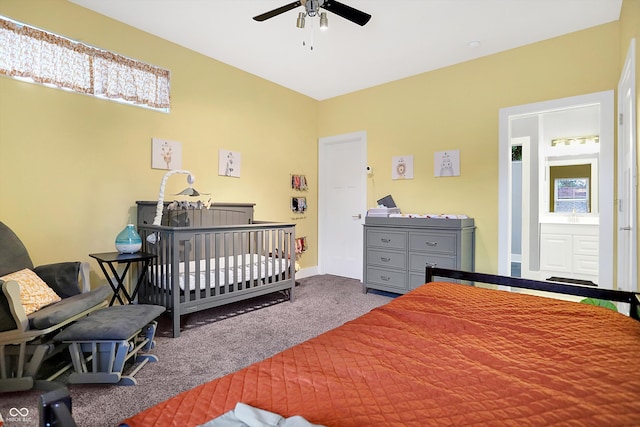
(111, 259)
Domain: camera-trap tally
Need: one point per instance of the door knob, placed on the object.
(359, 216)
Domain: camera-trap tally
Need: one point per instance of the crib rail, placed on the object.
(202, 267)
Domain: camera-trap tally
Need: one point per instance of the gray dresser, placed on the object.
(397, 250)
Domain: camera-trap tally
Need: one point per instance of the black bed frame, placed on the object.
(631, 298)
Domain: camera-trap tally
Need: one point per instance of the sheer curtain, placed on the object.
(46, 58)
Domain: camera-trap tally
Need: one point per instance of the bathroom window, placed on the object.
(570, 187)
(571, 195)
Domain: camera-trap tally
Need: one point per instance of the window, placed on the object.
(570, 188)
(35, 55)
(571, 195)
(516, 153)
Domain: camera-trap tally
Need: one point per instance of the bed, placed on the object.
(213, 255)
(445, 354)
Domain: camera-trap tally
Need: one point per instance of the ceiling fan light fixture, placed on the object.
(312, 8)
(300, 20)
(324, 22)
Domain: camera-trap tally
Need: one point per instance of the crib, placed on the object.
(212, 256)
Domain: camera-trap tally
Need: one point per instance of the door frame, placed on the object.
(324, 169)
(606, 179)
(525, 229)
(628, 82)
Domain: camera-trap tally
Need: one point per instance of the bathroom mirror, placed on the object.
(570, 187)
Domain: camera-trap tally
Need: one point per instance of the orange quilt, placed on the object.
(442, 355)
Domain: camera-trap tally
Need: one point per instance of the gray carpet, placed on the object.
(213, 343)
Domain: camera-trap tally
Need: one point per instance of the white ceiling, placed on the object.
(402, 39)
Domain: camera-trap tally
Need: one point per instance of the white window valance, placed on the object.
(30, 53)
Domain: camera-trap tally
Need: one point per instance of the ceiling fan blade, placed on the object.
(347, 12)
(278, 11)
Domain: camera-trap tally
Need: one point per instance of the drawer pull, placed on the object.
(432, 264)
(432, 243)
(385, 278)
(385, 259)
(385, 240)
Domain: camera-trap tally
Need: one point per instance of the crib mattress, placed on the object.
(443, 354)
(220, 271)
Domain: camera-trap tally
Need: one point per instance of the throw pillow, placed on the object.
(34, 292)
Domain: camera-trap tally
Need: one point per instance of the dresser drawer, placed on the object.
(416, 280)
(439, 243)
(386, 258)
(387, 239)
(388, 278)
(418, 261)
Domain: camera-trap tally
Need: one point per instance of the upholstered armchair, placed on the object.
(62, 277)
(26, 330)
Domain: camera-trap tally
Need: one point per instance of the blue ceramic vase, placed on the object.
(128, 240)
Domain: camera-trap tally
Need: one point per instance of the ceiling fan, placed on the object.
(313, 6)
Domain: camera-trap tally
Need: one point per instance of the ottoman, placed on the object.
(110, 337)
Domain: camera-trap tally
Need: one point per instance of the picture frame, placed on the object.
(402, 167)
(166, 154)
(229, 163)
(446, 163)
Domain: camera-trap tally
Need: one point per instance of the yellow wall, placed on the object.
(457, 108)
(72, 166)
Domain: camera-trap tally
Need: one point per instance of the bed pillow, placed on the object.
(34, 292)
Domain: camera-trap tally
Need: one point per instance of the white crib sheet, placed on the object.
(228, 269)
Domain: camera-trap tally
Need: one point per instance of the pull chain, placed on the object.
(311, 30)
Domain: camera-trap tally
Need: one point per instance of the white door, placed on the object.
(627, 177)
(342, 203)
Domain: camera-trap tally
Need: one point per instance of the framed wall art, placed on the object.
(166, 154)
(402, 167)
(446, 163)
(229, 163)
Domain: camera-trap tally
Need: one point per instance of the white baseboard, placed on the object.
(307, 272)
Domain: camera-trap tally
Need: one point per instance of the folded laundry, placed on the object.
(247, 416)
